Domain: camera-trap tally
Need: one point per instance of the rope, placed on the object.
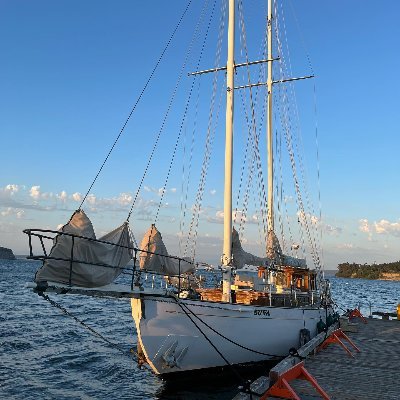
(194, 223)
(311, 238)
(132, 354)
(137, 100)
(188, 52)
(234, 370)
(263, 200)
(184, 116)
(230, 340)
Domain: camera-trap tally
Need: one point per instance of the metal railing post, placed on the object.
(71, 261)
(179, 278)
(133, 269)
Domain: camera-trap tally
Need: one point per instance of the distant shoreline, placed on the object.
(381, 272)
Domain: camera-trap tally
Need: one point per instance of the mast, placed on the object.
(227, 246)
(269, 125)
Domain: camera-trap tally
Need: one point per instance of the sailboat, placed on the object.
(263, 307)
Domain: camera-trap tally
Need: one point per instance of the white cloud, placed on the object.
(13, 211)
(91, 199)
(62, 196)
(237, 217)
(12, 188)
(34, 192)
(347, 246)
(386, 227)
(173, 190)
(382, 227)
(364, 226)
(314, 220)
(77, 197)
(213, 191)
(125, 199)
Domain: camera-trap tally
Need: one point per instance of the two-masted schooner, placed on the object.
(263, 307)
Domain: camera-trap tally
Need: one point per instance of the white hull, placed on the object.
(171, 342)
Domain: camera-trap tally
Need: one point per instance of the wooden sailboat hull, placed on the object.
(184, 335)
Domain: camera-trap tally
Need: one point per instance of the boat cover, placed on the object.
(87, 253)
(241, 257)
(274, 254)
(160, 262)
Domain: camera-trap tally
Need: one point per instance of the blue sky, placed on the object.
(71, 71)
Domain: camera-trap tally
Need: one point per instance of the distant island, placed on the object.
(6, 254)
(386, 271)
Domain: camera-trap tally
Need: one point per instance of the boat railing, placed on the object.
(43, 236)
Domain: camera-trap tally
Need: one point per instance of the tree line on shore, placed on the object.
(367, 271)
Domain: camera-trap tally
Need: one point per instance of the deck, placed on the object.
(371, 374)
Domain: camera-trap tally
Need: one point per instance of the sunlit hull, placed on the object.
(172, 336)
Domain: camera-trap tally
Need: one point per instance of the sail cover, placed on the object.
(160, 262)
(87, 253)
(241, 257)
(274, 253)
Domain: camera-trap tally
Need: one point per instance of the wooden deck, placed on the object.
(372, 374)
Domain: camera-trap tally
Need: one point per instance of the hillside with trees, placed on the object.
(389, 271)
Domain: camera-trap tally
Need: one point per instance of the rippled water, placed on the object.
(44, 354)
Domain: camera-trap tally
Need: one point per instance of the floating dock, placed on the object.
(372, 373)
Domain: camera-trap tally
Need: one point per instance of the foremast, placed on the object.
(230, 71)
(269, 125)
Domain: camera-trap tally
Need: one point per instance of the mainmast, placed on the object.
(269, 124)
(230, 70)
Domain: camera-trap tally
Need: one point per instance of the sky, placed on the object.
(72, 70)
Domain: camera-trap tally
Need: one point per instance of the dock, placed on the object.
(372, 373)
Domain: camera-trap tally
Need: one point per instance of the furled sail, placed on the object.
(274, 254)
(154, 256)
(86, 254)
(241, 257)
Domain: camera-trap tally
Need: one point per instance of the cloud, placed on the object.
(314, 220)
(63, 196)
(382, 227)
(238, 217)
(173, 190)
(213, 191)
(77, 197)
(12, 188)
(364, 226)
(91, 199)
(125, 199)
(387, 227)
(9, 211)
(348, 246)
(34, 192)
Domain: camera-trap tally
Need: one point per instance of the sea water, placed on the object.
(45, 354)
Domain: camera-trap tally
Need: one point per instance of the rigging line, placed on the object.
(316, 122)
(234, 370)
(230, 340)
(253, 119)
(184, 116)
(195, 236)
(303, 42)
(318, 174)
(289, 140)
(188, 52)
(302, 169)
(131, 354)
(207, 152)
(185, 188)
(192, 236)
(137, 100)
(250, 165)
